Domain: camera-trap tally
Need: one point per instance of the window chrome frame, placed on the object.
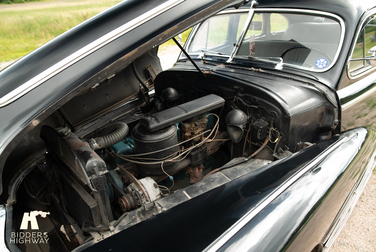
(357, 73)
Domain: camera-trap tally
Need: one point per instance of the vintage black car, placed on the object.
(259, 138)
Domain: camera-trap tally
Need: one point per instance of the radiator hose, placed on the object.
(118, 131)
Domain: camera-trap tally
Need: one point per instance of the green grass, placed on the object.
(17, 1)
(26, 27)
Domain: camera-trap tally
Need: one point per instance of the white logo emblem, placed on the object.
(32, 219)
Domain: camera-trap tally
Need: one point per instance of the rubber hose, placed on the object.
(119, 131)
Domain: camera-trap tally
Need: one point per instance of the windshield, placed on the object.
(218, 34)
(298, 39)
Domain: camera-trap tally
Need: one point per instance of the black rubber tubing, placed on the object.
(119, 131)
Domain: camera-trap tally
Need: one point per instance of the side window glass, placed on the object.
(370, 36)
(365, 41)
(278, 22)
(357, 54)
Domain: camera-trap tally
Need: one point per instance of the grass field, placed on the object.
(24, 27)
(17, 1)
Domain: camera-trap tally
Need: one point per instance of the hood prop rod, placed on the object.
(189, 57)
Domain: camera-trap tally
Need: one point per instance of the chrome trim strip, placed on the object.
(3, 215)
(234, 11)
(347, 210)
(348, 104)
(85, 51)
(355, 88)
(226, 236)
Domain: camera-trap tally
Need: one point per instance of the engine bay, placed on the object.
(169, 137)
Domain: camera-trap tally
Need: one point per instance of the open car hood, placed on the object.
(86, 54)
(127, 19)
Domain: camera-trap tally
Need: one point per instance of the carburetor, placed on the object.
(192, 128)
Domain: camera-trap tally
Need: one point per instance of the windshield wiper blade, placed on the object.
(203, 53)
(279, 63)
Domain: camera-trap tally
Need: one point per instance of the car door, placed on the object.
(357, 91)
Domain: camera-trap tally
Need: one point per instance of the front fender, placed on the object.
(311, 208)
